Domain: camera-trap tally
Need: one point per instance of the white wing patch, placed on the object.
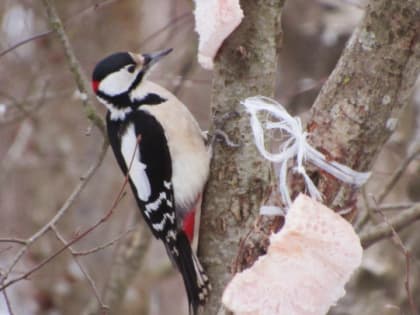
(167, 216)
(153, 206)
(138, 169)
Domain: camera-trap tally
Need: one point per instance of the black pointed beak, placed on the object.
(152, 58)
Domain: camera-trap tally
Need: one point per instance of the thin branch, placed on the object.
(25, 111)
(25, 41)
(78, 237)
(398, 241)
(129, 257)
(397, 174)
(85, 11)
(388, 207)
(88, 10)
(76, 69)
(20, 241)
(93, 7)
(407, 282)
(8, 304)
(71, 242)
(82, 269)
(368, 213)
(383, 230)
(103, 246)
(395, 207)
(67, 204)
(171, 23)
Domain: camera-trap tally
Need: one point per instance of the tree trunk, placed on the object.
(240, 178)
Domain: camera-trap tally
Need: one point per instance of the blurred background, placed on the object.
(46, 144)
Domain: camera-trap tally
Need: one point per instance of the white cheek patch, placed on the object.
(137, 170)
(117, 82)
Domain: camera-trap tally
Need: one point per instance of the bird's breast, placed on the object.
(190, 157)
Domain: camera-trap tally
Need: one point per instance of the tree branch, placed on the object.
(20, 241)
(93, 7)
(25, 41)
(129, 258)
(92, 284)
(397, 175)
(67, 204)
(103, 246)
(8, 304)
(76, 69)
(357, 108)
(385, 229)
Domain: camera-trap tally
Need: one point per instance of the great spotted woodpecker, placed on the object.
(157, 141)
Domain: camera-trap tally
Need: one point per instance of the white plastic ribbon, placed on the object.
(294, 147)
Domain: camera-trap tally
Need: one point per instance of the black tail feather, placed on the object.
(195, 279)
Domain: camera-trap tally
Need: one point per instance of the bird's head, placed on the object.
(118, 74)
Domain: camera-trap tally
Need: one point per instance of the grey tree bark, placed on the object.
(358, 107)
(240, 178)
(352, 118)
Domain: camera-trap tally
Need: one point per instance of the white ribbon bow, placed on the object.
(294, 147)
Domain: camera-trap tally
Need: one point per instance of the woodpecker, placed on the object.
(160, 146)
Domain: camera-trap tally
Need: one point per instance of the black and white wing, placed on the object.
(140, 146)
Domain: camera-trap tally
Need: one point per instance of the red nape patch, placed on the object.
(95, 85)
(188, 224)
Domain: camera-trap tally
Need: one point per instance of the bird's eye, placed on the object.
(131, 68)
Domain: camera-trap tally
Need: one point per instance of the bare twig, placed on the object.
(25, 41)
(25, 111)
(103, 246)
(397, 174)
(74, 240)
(395, 207)
(383, 230)
(13, 240)
(67, 204)
(407, 282)
(398, 241)
(87, 10)
(96, 6)
(367, 214)
(4, 285)
(76, 69)
(171, 23)
(91, 114)
(8, 304)
(82, 269)
(128, 259)
(31, 38)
